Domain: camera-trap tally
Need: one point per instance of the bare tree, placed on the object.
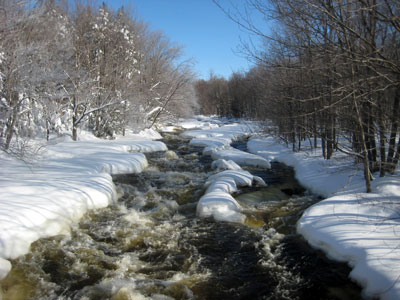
(333, 70)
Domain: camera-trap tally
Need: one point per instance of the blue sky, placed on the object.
(207, 35)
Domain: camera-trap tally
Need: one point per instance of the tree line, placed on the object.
(67, 66)
(328, 72)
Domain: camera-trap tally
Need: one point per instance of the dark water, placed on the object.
(151, 245)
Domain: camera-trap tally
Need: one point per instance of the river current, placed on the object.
(151, 245)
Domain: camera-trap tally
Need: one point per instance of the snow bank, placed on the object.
(241, 158)
(225, 133)
(222, 164)
(363, 230)
(44, 198)
(202, 122)
(352, 226)
(216, 142)
(211, 142)
(217, 201)
(199, 122)
(321, 177)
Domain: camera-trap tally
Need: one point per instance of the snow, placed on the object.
(241, 158)
(350, 225)
(216, 142)
(222, 164)
(217, 201)
(319, 176)
(215, 138)
(201, 122)
(224, 132)
(210, 142)
(44, 197)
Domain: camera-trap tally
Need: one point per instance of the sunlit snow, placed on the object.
(44, 197)
(350, 225)
(217, 201)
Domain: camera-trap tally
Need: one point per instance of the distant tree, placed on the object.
(214, 96)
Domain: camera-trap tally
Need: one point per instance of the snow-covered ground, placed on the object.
(350, 225)
(43, 198)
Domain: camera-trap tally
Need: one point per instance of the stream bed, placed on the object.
(151, 245)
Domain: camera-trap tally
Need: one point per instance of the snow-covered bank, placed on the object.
(352, 226)
(44, 198)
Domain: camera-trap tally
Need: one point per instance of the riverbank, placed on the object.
(349, 225)
(44, 196)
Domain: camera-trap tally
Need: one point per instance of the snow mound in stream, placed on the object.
(222, 164)
(218, 203)
(241, 158)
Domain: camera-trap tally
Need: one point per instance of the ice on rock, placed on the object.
(171, 155)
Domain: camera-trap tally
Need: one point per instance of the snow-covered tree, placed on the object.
(91, 67)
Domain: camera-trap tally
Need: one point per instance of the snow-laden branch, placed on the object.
(155, 85)
(87, 113)
(155, 109)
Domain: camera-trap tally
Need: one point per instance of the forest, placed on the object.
(325, 72)
(328, 72)
(67, 65)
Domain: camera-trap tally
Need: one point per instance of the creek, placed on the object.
(151, 245)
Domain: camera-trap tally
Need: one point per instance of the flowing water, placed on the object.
(151, 245)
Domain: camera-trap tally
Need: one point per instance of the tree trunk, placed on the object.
(12, 121)
(393, 132)
(367, 173)
(323, 144)
(11, 128)
(382, 144)
(369, 130)
(74, 129)
(330, 138)
(74, 121)
(396, 158)
(315, 126)
(47, 130)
